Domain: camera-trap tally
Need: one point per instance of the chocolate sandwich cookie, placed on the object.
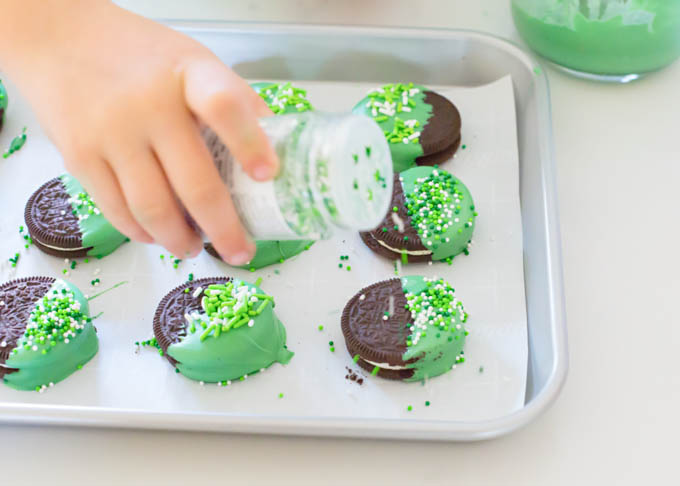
(3, 103)
(63, 221)
(282, 98)
(219, 329)
(46, 332)
(406, 329)
(431, 218)
(421, 126)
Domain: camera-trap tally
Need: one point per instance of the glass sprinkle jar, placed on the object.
(336, 172)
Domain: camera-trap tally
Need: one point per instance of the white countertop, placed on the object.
(618, 160)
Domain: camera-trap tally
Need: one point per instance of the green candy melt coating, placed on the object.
(230, 354)
(271, 252)
(437, 333)
(437, 227)
(4, 100)
(61, 359)
(283, 98)
(402, 113)
(98, 234)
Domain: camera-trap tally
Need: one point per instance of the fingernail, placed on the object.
(239, 259)
(194, 253)
(263, 172)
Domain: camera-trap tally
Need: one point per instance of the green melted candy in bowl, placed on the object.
(606, 37)
(282, 98)
(98, 234)
(402, 113)
(59, 339)
(237, 334)
(437, 332)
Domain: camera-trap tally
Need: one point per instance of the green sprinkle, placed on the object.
(162, 257)
(320, 327)
(349, 268)
(258, 282)
(427, 403)
(191, 277)
(463, 146)
(356, 158)
(409, 408)
(332, 349)
(375, 371)
(280, 395)
(356, 358)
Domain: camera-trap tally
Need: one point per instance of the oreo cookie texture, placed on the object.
(3, 103)
(431, 218)
(282, 98)
(63, 221)
(407, 329)
(421, 126)
(219, 329)
(46, 332)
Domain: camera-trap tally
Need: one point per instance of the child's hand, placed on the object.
(120, 96)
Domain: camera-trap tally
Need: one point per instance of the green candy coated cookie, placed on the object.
(97, 232)
(237, 340)
(446, 231)
(52, 349)
(437, 333)
(402, 113)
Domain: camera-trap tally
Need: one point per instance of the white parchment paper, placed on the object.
(310, 290)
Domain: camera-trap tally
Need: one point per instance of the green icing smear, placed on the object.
(437, 333)
(441, 210)
(602, 36)
(402, 113)
(98, 234)
(59, 339)
(236, 335)
(16, 144)
(281, 98)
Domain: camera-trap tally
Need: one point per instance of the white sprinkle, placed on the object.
(228, 382)
(251, 323)
(3, 344)
(97, 271)
(362, 297)
(51, 384)
(66, 261)
(34, 348)
(197, 292)
(261, 370)
(219, 383)
(384, 318)
(201, 383)
(67, 340)
(245, 377)
(62, 212)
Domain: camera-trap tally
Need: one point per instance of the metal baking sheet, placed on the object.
(323, 54)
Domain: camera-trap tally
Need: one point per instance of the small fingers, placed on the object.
(224, 101)
(192, 173)
(101, 183)
(153, 203)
